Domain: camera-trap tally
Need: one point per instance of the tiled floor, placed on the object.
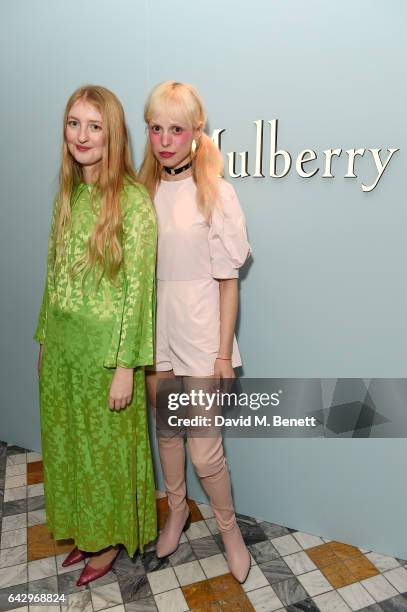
(290, 570)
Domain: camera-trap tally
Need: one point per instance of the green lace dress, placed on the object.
(98, 475)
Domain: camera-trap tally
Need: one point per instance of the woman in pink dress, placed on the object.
(201, 244)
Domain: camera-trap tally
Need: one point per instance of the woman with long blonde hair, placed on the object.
(201, 244)
(95, 331)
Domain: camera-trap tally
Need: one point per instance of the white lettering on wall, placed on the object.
(329, 153)
(244, 158)
(303, 158)
(258, 166)
(274, 153)
(381, 167)
(351, 161)
(301, 161)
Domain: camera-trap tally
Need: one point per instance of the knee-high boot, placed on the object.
(218, 489)
(172, 456)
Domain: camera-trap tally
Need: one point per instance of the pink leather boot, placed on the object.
(172, 456)
(217, 487)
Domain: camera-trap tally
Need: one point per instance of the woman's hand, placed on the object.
(121, 389)
(223, 369)
(40, 359)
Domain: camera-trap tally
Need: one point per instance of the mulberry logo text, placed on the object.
(303, 165)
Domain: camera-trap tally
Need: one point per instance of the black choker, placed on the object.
(174, 171)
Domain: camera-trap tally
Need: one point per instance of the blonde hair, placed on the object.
(104, 250)
(183, 102)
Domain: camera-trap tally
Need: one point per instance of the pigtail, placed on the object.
(207, 167)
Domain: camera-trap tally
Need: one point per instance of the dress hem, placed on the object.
(131, 551)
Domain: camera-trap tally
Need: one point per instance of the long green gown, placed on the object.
(98, 475)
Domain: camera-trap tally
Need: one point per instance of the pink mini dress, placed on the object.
(192, 255)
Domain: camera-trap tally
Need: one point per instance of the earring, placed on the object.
(194, 147)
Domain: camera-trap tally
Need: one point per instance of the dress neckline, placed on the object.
(81, 187)
(187, 178)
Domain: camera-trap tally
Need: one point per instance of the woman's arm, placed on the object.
(121, 389)
(43, 314)
(39, 362)
(131, 344)
(40, 330)
(229, 299)
(229, 249)
(132, 339)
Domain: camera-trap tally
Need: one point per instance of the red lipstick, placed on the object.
(166, 154)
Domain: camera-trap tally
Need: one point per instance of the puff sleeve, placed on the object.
(228, 244)
(133, 335)
(40, 330)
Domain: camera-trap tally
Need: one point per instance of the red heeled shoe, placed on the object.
(90, 573)
(75, 556)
